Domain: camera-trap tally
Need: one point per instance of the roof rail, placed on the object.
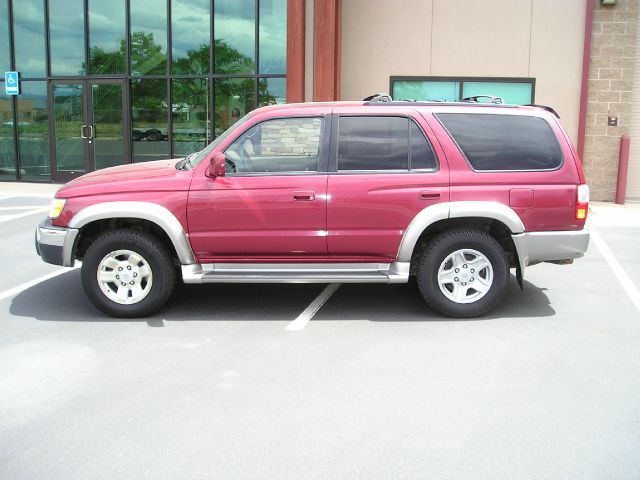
(544, 107)
(378, 97)
(491, 99)
(432, 103)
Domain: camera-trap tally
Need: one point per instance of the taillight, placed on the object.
(582, 205)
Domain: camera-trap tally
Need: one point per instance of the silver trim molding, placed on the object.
(396, 272)
(442, 211)
(143, 210)
(536, 247)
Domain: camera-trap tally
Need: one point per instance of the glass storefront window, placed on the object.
(273, 36)
(149, 119)
(28, 35)
(148, 37)
(410, 90)
(33, 132)
(5, 59)
(7, 147)
(513, 93)
(107, 24)
(233, 98)
(191, 27)
(190, 109)
(66, 37)
(272, 91)
(235, 36)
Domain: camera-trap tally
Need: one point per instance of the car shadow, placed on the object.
(62, 299)
(403, 303)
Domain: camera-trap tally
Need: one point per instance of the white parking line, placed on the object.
(304, 318)
(21, 288)
(6, 218)
(623, 278)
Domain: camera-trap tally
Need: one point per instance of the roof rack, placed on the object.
(378, 97)
(432, 103)
(491, 99)
(544, 107)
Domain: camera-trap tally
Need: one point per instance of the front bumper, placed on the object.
(536, 247)
(55, 245)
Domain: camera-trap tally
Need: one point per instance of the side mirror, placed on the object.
(217, 166)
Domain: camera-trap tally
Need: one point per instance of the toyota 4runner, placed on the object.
(454, 194)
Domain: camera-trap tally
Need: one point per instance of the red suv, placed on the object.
(455, 194)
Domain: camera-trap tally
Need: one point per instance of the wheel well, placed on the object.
(93, 230)
(495, 228)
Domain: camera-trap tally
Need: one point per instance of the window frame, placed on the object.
(464, 155)
(462, 80)
(335, 130)
(323, 148)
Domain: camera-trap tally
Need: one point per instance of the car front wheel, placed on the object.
(128, 273)
(463, 273)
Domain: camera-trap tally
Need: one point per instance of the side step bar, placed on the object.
(396, 272)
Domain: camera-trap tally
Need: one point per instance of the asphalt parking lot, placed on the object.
(245, 381)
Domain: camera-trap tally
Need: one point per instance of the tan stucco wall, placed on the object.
(542, 39)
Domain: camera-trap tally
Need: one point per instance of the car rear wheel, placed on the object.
(463, 273)
(128, 273)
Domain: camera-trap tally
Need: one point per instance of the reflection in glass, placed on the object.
(107, 121)
(190, 113)
(69, 124)
(7, 148)
(148, 37)
(66, 37)
(28, 35)
(5, 62)
(272, 91)
(233, 98)
(107, 37)
(149, 115)
(235, 35)
(191, 25)
(33, 131)
(273, 36)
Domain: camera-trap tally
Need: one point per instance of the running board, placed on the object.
(397, 272)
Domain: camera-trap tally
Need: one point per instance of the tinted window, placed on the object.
(504, 142)
(422, 156)
(280, 145)
(373, 143)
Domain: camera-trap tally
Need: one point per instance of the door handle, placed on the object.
(90, 131)
(429, 195)
(82, 132)
(308, 196)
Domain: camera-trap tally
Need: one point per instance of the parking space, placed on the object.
(369, 384)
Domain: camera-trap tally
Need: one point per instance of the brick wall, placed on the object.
(299, 136)
(610, 87)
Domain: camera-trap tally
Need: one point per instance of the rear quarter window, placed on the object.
(504, 142)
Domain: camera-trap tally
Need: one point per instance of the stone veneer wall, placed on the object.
(609, 92)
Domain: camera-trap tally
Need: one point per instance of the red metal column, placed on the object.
(295, 50)
(327, 46)
(623, 169)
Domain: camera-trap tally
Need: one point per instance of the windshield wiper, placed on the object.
(186, 161)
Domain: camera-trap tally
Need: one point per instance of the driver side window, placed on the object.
(283, 145)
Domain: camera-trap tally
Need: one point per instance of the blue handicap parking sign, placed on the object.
(11, 83)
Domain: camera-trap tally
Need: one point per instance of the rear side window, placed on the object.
(504, 142)
(382, 143)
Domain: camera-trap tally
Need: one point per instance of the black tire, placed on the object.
(153, 135)
(152, 250)
(441, 247)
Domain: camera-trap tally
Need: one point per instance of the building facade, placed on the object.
(112, 81)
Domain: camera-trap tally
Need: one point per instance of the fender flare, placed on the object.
(442, 211)
(152, 212)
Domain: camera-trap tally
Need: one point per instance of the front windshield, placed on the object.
(209, 148)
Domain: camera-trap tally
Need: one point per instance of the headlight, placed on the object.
(57, 204)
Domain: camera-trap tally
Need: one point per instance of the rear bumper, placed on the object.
(55, 244)
(536, 247)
